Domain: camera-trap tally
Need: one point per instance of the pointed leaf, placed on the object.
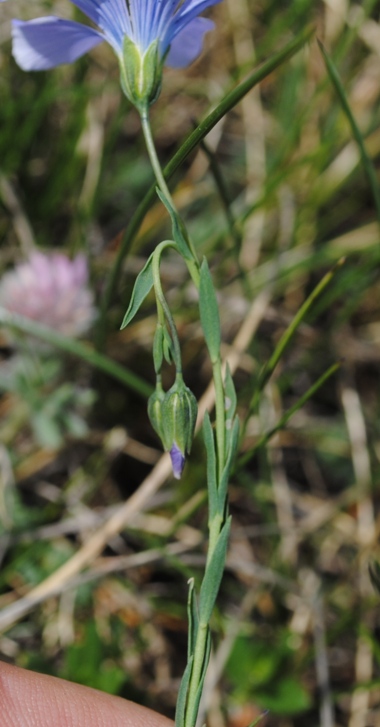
(209, 312)
(213, 575)
(182, 695)
(141, 288)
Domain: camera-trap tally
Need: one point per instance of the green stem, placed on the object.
(151, 149)
(200, 647)
(162, 302)
(192, 264)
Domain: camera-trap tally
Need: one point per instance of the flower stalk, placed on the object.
(175, 407)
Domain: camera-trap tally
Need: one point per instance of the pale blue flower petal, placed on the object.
(48, 42)
(178, 461)
(187, 45)
(187, 11)
(112, 18)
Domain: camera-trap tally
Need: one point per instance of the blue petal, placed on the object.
(178, 461)
(112, 18)
(187, 45)
(190, 9)
(48, 42)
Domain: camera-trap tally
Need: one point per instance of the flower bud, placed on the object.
(141, 73)
(155, 409)
(179, 413)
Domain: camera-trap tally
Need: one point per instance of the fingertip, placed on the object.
(28, 699)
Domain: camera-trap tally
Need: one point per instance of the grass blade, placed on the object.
(58, 340)
(366, 160)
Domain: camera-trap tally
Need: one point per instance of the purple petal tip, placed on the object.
(178, 461)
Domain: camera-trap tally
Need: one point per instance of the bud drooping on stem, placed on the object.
(173, 416)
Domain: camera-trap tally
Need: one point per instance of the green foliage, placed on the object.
(258, 671)
(209, 312)
(91, 662)
(141, 288)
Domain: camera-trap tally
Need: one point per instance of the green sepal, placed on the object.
(151, 73)
(212, 483)
(155, 408)
(213, 575)
(179, 233)
(168, 347)
(141, 73)
(209, 312)
(142, 287)
(162, 347)
(179, 415)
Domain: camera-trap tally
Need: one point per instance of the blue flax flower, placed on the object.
(172, 25)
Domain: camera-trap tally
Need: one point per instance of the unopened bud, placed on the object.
(179, 413)
(155, 409)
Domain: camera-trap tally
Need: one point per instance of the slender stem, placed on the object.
(200, 647)
(192, 265)
(151, 149)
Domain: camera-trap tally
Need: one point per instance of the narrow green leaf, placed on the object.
(209, 312)
(182, 695)
(142, 287)
(358, 136)
(213, 575)
(287, 337)
(212, 485)
(288, 414)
